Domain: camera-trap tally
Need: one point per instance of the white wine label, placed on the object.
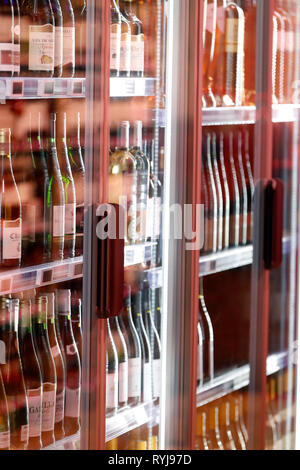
(41, 48)
(58, 221)
(125, 52)
(17, 57)
(137, 53)
(147, 388)
(5, 440)
(123, 382)
(35, 412)
(59, 407)
(156, 377)
(58, 49)
(71, 349)
(68, 45)
(112, 391)
(24, 433)
(72, 403)
(6, 57)
(55, 351)
(232, 35)
(70, 219)
(48, 410)
(115, 46)
(134, 377)
(11, 243)
(2, 352)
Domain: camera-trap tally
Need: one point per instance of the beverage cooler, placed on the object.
(149, 224)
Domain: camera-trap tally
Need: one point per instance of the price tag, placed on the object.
(6, 285)
(17, 88)
(148, 251)
(61, 272)
(129, 88)
(129, 256)
(46, 276)
(45, 88)
(75, 88)
(78, 269)
(140, 415)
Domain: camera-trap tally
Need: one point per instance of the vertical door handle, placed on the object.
(273, 223)
(111, 252)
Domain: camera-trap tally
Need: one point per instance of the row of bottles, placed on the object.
(229, 69)
(126, 40)
(142, 438)
(134, 351)
(42, 204)
(227, 188)
(132, 182)
(42, 38)
(40, 369)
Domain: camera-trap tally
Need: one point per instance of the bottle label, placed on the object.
(11, 243)
(134, 377)
(125, 52)
(112, 391)
(24, 433)
(41, 48)
(58, 54)
(2, 352)
(123, 382)
(70, 219)
(48, 409)
(115, 46)
(147, 389)
(137, 53)
(5, 440)
(58, 221)
(59, 407)
(72, 404)
(6, 57)
(232, 35)
(55, 351)
(69, 45)
(34, 409)
(156, 377)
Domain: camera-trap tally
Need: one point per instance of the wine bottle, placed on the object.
(56, 196)
(125, 49)
(143, 181)
(236, 430)
(72, 362)
(47, 366)
(123, 181)
(121, 349)
(59, 431)
(4, 416)
(212, 192)
(225, 429)
(137, 52)
(201, 423)
(76, 305)
(200, 359)
(250, 11)
(112, 372)
(81, 22)
(145, 347)
(220, 202)
(70, 196)
(213, 431)
(7, 38)
(11, 212)
(68, 38)
(134, 351)
(208, 336)
(13, 379)
(78, 170)
(115, 39)
(37, 38)
(249, 183)
(17, 32)
(209, 42)
(230, 165)
(58, 45)
(225, 191)
(32, 375)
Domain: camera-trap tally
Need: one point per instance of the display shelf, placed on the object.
(237, 379)
(16, 280)
(38, 88)
(231, 259)
(131, 418)
(123, 87)
(68, 443)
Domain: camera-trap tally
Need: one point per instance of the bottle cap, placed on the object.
(63, 302)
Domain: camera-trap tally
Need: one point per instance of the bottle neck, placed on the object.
(25, 314)
(7, 317)
(137, 140)
(123, 140)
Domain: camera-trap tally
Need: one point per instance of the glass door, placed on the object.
(248, 307)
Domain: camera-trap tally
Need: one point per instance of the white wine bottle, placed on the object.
(68, 38)
(137, 50)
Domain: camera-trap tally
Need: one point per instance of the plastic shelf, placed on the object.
(38, 276)
(123, 87)
(39, 88)
(68, 443)
(237, 379)
(231, 259)
(131, 418)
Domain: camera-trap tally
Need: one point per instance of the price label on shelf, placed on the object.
(45, 88)
(17, 89)
(75, 87)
